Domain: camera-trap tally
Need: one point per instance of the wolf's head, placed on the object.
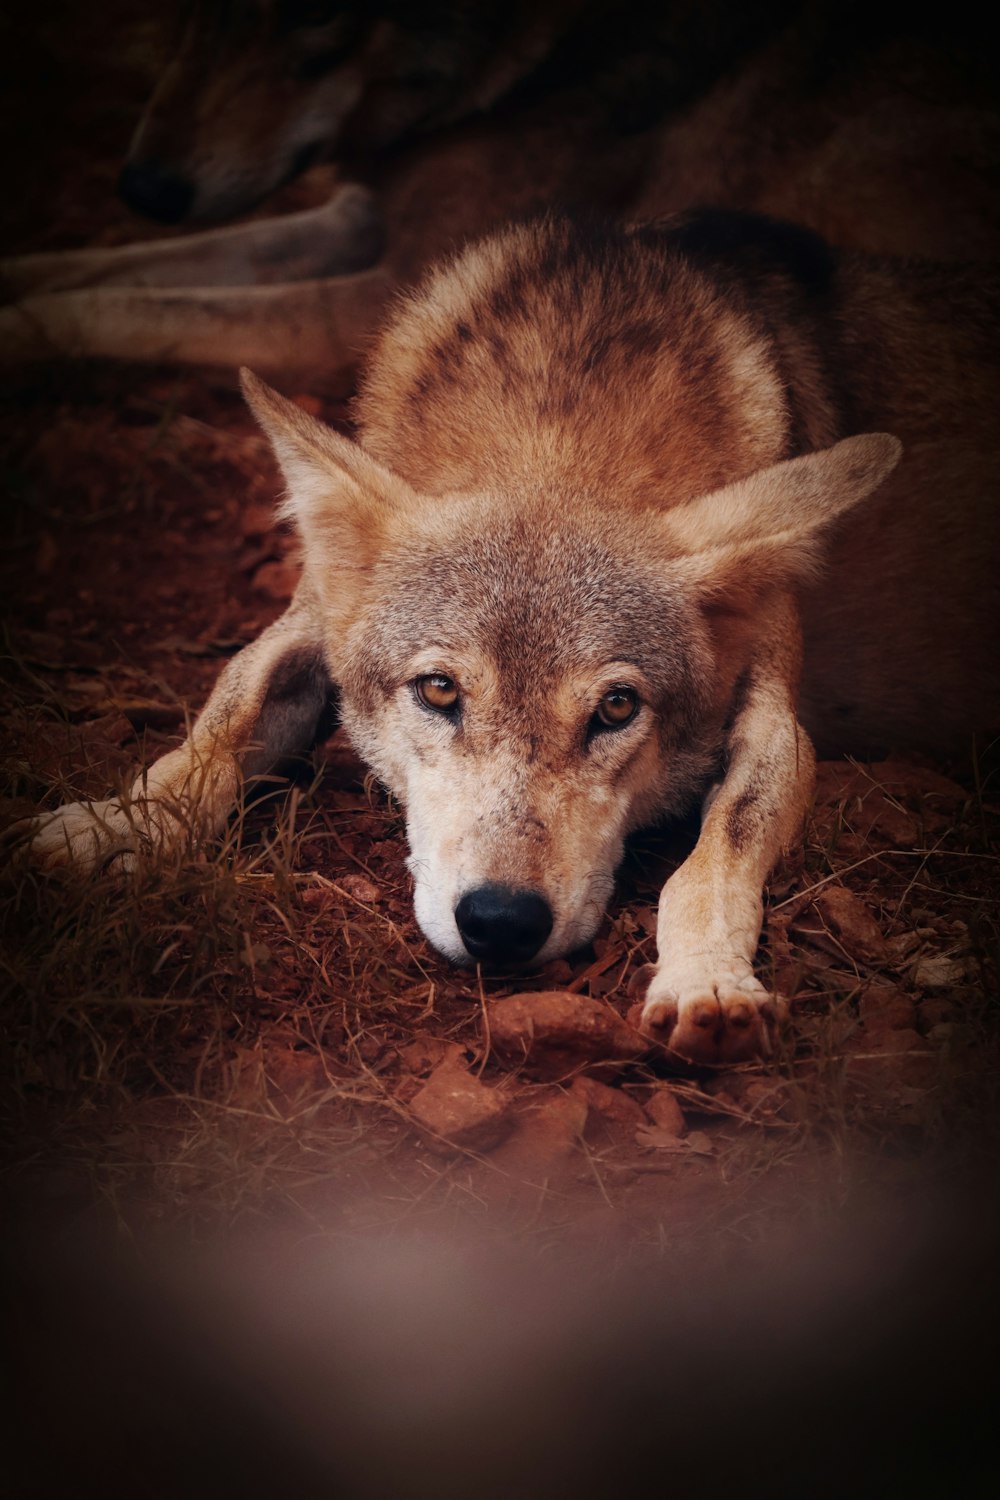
(535, 675)
(257, 89)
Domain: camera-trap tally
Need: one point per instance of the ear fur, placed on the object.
(767, 528)
(341, 500)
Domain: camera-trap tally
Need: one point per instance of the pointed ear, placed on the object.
(768, 529)
(341, 500)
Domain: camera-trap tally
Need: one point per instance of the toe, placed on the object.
(659, 1015)
(705, 1014)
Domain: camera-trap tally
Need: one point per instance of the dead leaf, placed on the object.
(697, 1143)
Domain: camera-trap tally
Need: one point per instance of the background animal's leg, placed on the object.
(704, 999)
(339, 237)
(302, 326)
(266, 705)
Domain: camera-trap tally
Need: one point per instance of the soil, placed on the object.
(261, 1036)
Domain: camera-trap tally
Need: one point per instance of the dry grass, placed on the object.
(223, 1039)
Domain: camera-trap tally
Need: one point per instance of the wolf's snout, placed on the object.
(502, 925)
(155, 192)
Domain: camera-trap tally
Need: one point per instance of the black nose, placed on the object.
(155, 192)
(501, 925)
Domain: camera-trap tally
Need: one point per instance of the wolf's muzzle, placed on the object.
(501, 925)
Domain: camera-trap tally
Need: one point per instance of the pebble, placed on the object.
(885, 1006)
(552, 1033)
(613, 1107)
(665, 1112)
(852, 923)
(546, 1136)
(455, 1109)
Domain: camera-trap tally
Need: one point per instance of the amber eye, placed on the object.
(618, 706)
(437, 691)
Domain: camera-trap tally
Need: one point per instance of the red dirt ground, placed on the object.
(250, 1040)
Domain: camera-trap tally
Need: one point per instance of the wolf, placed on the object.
(635, 518)
(447, 119)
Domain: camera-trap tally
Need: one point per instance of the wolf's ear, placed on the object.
(768, 528)
(340, 499)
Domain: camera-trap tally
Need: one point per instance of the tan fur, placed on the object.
(598, 460)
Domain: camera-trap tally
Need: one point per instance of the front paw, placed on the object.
(709, 1014)
(84, 836)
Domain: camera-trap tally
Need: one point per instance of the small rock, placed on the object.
(900, 947)
(901, 1056)
(885, 1006)
(554, 1033)
(614, 1110)
(901, 1040)
(896, 826)
(700, 1142)
(315, 897)
(665, 1112)
(425, 1053)
(360, 887)
(455, 1108)
(292, 1072)
(546, 1136)
(852, 923)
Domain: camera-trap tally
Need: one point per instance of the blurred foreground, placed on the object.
(855, 1358)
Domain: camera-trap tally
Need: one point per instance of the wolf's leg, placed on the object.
(302, 325)
(339, 237)
(266, 704)
(703, 998)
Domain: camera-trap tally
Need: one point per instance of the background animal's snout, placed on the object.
(155, 192)
(501, 925)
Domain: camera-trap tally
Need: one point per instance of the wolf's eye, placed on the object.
(437, 691)
(618, 706)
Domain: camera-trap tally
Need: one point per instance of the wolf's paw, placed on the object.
(713, 1017)
(84, 836)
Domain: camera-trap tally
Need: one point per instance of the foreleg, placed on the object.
(704, 999)
(317, 326)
